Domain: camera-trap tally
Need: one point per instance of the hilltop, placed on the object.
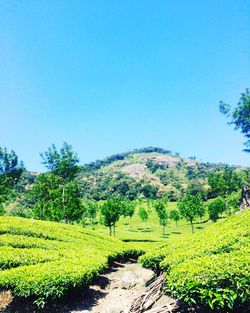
(147, 172)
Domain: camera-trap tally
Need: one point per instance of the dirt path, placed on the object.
(114, 291)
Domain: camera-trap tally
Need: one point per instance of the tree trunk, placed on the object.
(192, 226)
(164, 230)
(175, 223)
(227, 209)
(110, 230)
(114, 230)
(63, 202)
(92, 223)
(130, 227)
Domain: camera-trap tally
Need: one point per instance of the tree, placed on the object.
(46, 197)
(175, 215)
(239, 116)
(195, 187)
(62, 190)
(201, 208)
(51, 203)
(129, 210)
(143, 214)
(222, 183)
(63, 162)
(90, 209)
(71, 202)
(150, 191)
(216, 208)
(11, 170)
(190, 207)
(161, 210)
(111, 211)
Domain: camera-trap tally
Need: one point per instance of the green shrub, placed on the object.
(211, 268)
(45, 259)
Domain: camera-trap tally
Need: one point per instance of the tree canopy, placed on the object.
(63, 162)
(11, 170)
(239, 116)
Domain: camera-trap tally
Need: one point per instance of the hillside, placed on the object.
(147, 172)
(44, 260)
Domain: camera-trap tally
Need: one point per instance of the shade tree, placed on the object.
(90, 211)
(111, 211)
(163, 215)
(175, 215)
(143, 214)
(129, 210)
(190, 208)
(216, 208)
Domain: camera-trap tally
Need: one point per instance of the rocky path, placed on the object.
(114, 291)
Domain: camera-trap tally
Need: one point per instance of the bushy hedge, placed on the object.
(45, 259)
(211, 268)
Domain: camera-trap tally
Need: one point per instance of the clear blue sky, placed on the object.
(108, 76)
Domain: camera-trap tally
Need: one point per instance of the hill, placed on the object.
(147, 173)
(211, 268)
(44, 260)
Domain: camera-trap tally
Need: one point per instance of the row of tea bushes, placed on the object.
(210, 268)
(43, 260)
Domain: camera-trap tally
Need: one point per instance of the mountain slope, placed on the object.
(147, 172)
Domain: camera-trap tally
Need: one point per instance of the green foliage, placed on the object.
(111, 211)
(143, 214)
(99, 186)
(55, 201)
(175, 215)
(154, 166)
(90, 209)
(128, 208)
(11, 170)
(224, 182)
(62, 163)
(1, 208)
(191, 207)
(216, 208)
(240, 116)
(197, 186)
(150, 191)
(161, 210)
(233, 201)
(210, 268)
(43, 260)
(56, 195)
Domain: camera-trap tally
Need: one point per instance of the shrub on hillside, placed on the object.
(210, 268)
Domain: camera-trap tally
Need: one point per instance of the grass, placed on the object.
(149, 233)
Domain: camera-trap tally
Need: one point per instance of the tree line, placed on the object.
(60, 195)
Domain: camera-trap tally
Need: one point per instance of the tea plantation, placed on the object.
(211, 268)
(46, 259)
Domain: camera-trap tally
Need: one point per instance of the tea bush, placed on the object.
(46, 259)
(211, 268)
